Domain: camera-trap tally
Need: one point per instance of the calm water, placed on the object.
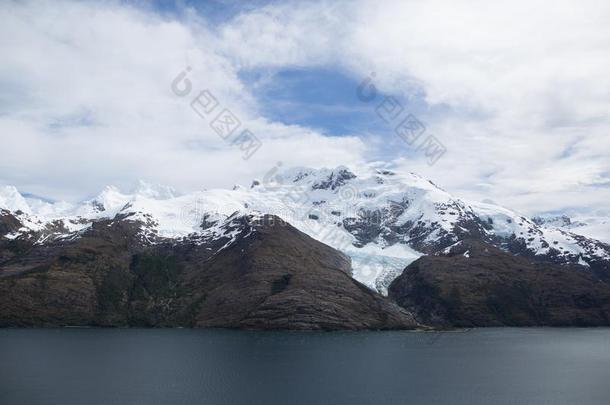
(180, 366)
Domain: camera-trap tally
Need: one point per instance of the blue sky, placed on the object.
(323, 98)
(517, 93)
(326, 99)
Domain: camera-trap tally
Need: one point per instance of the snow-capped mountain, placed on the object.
(592, 226)
(383, 220)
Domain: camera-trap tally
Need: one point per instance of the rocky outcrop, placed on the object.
(265, 275)
(8, 223)
(476, 284)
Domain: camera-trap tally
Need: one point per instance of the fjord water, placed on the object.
(181, 366)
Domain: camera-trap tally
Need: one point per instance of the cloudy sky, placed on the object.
(517, 92)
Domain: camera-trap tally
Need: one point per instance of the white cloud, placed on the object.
(87, 101)
(526, 83)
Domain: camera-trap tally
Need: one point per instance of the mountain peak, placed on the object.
(110, 198)
(317, 179)
(12, 200)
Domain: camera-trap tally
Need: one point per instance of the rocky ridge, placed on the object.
(382, 219)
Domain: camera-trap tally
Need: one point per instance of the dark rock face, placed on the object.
(384, 224)
(8, 223)
(11, 248)
(269, 276)
(366, 227)
(480, 285)
(334, 180)
(559, 220)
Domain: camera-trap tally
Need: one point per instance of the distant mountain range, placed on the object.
(381, 220)
(595, 227)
